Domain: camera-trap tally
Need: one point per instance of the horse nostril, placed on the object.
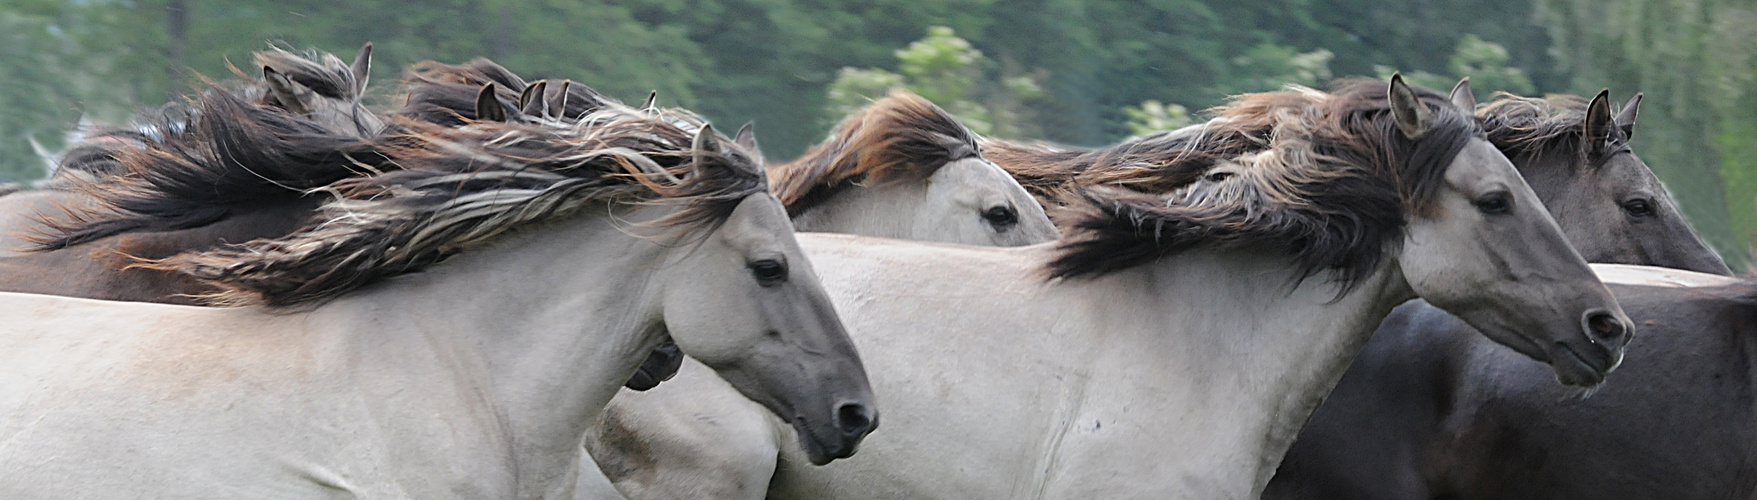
(1605, 327)
(854, 419)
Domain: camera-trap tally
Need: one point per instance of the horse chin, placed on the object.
(817, 450)
(1572, 369)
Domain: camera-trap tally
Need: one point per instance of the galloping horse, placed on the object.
(1171, 346)
(1419, 414)
(899, 168)
(302, 104)
(353, 374)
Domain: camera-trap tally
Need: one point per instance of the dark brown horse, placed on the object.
(1422, 412)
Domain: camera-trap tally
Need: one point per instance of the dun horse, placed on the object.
(899, 168)
(353, 374)
(1180, 341)
(1418, 416)
(303, 105)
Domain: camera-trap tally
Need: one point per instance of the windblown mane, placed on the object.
(321, 72)
(190, 169)
(459, 187)
(446, 93)
(96, 154)
(1527, 125)
(1054, 174)
(1327, 177)
(902, 137)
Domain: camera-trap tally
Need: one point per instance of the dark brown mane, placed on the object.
(1327, 177)
(446, 93)
(459, 187)
(1526, 125)
(190, 169)
(1054, 174)
(321, 72)
(902, 137)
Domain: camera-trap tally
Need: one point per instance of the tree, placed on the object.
(1696, 60)
(947, 70)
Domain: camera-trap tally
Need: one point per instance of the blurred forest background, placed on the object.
(1078, 72)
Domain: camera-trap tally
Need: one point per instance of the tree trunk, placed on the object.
(177, 31)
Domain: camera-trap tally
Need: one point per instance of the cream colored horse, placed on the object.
(354, 376)
(1182, 340)
(899, 168)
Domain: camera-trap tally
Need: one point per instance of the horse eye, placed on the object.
(1001, 216)
(1638, 208)
(768, 272)
(1495, 203)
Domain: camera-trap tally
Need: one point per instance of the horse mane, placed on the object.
(459, 187)
(1527, 125)
(1054, 174)
(190, 169)
(902, 137)
(1325, 176)
(319, 71)
(446, 93)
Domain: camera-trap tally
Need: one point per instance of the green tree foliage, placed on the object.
(1152, 116)
(1483, 61)
(945, 69)
(1697, 62)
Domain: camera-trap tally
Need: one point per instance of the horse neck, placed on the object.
(546, 324)
(886, 211)
(1263, 352)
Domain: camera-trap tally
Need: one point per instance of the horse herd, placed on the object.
(526, 289)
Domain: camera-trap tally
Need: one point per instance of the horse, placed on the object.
(445, 332)
(1474, 421)
(1380, 432)
(904, 168)
(1171, 345)
(899, 168)
(314, 93)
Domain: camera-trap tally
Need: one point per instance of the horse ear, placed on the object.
(487, 106)
(558, 100)
(1462, 98)
(292, 96)
(1598, 122)
(531, 101)
(1411, 116)
(746, 139)
(362, 68)
(705, 142)
(1626, 118)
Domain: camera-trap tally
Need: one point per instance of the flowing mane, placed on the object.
(901, 137)
(446, 93)
(191, 169)
(96, 155)
(1525, 125)
(1326, 176)
(1053, 174)
(458, 187)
